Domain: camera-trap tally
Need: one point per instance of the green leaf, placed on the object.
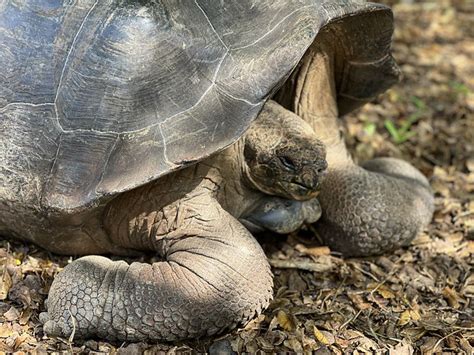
(406, 125)
(399, 135)
(370, 128)
(419, 103)
(460, 88)
(390, 126)
(406, 136)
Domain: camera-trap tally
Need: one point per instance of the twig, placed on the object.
(366, 273)
(395, 269)
(369, 323)
(339, 288)
(71, 337)
(350, 320)
(441, 339)
(301, 265)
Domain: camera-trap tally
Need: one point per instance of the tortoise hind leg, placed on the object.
(214, 276)
(371, 212)
(365, 210)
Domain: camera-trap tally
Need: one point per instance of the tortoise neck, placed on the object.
(316, 102)
(236, 193)
(312, 91)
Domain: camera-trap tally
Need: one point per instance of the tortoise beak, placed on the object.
(311, 177)
(302, 192)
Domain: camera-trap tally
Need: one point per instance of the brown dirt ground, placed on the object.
(419, 299)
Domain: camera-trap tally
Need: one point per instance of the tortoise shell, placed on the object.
(99, 97)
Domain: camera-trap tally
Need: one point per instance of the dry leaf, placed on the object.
(12, 314)
(405, 318)
(382, 290)
(358, 301)
(431, 346)
(470, 246)
(452, 297)
(5, 331)
(464, 344)
(5, 284)
(25, 316)
(320, 336)
(313, 251)
(286, 322)
(294, 344)
(415, 315)
(401, 349)
(468, 287)
(19, 340)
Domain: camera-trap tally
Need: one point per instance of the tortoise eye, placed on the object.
(288, 163)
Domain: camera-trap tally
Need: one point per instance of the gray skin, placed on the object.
(383, 204)
(111, 113)
(190, 219)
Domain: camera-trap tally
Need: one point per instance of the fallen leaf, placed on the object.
(415, 315)
(5, 284)
(320, 336)
(294, 344)
(12, 314)
(358, 301)
(20, 340)
(464, 344)
(405, 318)
(5, 331)
(382, 290)
(401, 349)
(452, 297)
(25, 316)
(470, 247)
(468, 287)
(430, 346)
(286, 322)
(314, 251)
(408, 316)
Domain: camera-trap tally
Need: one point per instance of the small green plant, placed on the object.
(370, 128)
(460, 89)
(403, 132)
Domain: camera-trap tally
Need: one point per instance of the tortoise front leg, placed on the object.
(213, 277)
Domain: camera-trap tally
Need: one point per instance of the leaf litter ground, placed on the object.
(419, 299)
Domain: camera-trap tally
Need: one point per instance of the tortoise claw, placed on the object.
(50, 327)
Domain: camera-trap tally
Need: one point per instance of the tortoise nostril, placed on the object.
(310, 181)
(322, 167)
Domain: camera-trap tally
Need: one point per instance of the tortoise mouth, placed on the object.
(299, 191)
(293, 190)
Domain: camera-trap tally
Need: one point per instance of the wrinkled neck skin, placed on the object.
(234, 190)
(313, 94)
(138, 218)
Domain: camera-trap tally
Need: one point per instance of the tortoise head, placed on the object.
(282, 155)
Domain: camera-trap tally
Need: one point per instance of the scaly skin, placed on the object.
(213, 275)
(369, 209)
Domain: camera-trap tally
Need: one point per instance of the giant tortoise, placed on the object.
(125, 128)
